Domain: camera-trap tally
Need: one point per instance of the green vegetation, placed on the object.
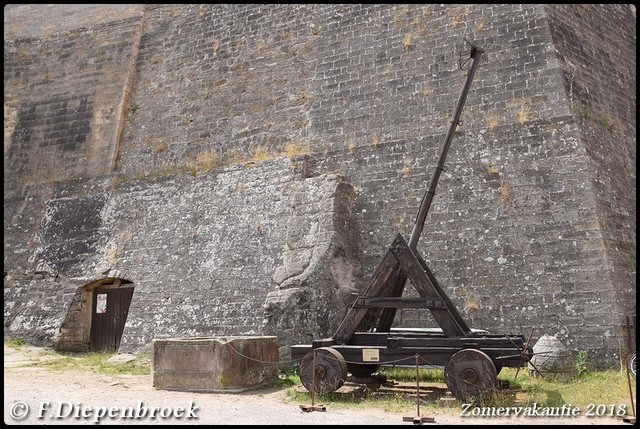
(583, 366)
(409, 374)
(379, 398)
(607, 122)
(516, 388)
(16, 343)
(361, 398)
(96, 362)
(286, 378)
(92, 361)
(589, 387)
(586, 111)
(602, 387)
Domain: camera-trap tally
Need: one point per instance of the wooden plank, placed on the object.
(299, 351)
(431, 353)
(461, 342)
(417, 419)
(437, 339)
(402, 302)
(437, 356)
(307, 408)
(324, 342)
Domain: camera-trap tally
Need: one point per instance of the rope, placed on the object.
(278, 362)
(419, 357)
(382, 363)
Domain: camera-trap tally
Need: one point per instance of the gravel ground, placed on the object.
(37, 396)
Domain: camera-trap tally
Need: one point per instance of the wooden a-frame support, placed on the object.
(382, 296)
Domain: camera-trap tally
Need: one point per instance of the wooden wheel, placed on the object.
(329, 373)
(470, 374)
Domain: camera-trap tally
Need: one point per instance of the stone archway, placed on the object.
(96, 316)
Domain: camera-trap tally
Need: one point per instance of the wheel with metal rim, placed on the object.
(328, 374)
(470, 374)
(632, 364)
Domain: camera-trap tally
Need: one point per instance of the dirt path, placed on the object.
(38, 396)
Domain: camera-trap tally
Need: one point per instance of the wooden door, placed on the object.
(108, 316)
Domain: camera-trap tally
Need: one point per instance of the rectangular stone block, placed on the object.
(219, 364)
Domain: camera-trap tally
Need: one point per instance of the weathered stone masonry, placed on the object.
(246, 167)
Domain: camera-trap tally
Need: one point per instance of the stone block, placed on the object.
(219, 364)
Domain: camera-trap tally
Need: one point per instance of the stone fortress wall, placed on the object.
(246, 167)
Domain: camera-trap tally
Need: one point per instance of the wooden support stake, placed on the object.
(633, 408)
(629, 325)
(313, 406)
(418, 419)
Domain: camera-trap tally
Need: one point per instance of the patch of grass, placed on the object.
(235, 157)
(261, 153)
(370, 397)
(592, 387)
(409, 374)
(406, 42)
(157, 144)
(608, 123)
(523, 114)
(286, 379)
(358, 400)
(15, 343)
(472, 304)
(375, 142)
(504, 191)
(96, 362)
(492, 123)
(352, 147)
(584, 110)
(292, 150)
(207, 160)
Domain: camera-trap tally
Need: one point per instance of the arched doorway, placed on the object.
(109, 310)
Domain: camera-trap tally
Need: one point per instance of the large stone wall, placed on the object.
(191, 149)
(66, 89)
(599, 98)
